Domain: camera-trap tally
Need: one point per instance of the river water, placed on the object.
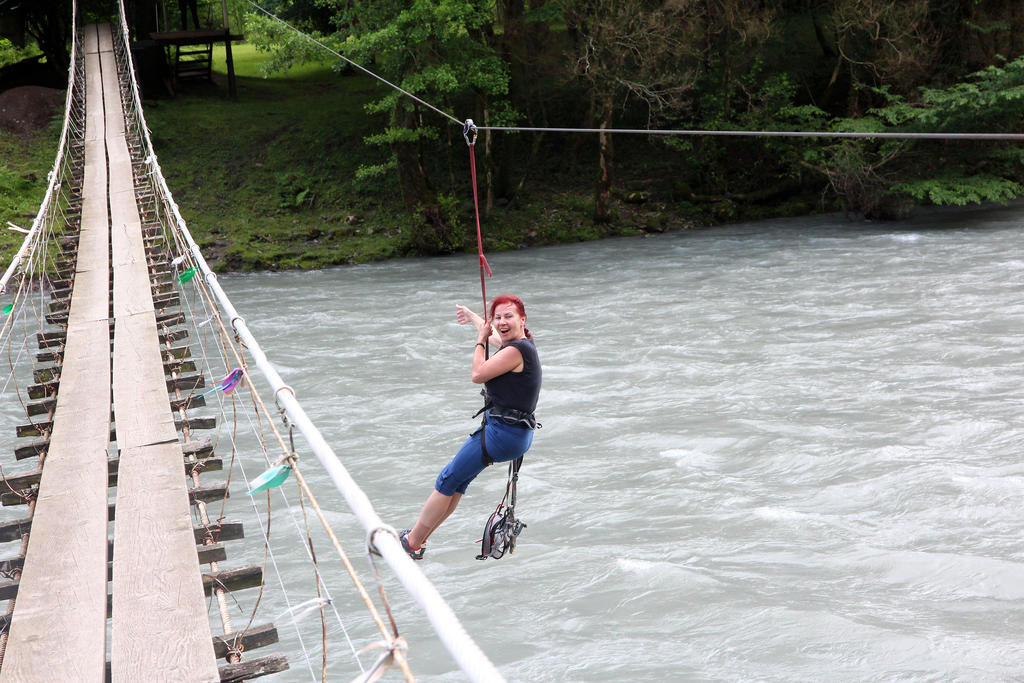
(776, 451)
(784, 450)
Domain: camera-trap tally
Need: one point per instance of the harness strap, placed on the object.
(514, 473)
(510, 416)
(488, 460)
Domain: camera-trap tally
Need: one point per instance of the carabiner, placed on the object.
(469, 132)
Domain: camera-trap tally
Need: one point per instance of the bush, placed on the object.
(11, 53)
(437, 228)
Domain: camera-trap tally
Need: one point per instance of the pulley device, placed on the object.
(503, 528)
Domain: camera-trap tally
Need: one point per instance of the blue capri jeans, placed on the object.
(504, 442)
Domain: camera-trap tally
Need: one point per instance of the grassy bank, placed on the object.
(267, 181)
(24, 165)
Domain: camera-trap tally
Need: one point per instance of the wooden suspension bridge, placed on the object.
(117, 374)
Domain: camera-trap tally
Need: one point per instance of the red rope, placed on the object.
(485, 268)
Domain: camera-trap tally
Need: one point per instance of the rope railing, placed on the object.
(124, 66)
(381, 538)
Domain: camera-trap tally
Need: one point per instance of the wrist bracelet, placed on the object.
(481, 344)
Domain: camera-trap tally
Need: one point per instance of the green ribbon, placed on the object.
(272, 478)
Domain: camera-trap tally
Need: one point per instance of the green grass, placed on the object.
(269, 181)
(24, 165)
(249, 61)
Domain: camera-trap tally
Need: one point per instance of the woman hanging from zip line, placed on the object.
(511, 377)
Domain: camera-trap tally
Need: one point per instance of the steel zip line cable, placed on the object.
(767, 133)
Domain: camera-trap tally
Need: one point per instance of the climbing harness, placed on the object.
(503, 528)
(515, 418)
(509, 416)
(488, 460)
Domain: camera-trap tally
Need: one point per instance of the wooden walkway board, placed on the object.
(58, 631)
(161, 630)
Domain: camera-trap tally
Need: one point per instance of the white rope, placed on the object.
(187, 303)
(7, 346)
(384, 662)
(296, 613)
(459, 644)
(270, 551)
(277, 572)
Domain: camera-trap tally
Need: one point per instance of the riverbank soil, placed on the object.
(26, 110)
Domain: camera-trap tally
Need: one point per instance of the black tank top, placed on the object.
(518, 390)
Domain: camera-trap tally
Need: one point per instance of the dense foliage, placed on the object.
(851, 65)
(870, 66)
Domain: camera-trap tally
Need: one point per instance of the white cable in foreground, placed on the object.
(457, 641)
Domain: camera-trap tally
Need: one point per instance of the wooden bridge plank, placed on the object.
(112, 111)
(160, 627)
(61, 606)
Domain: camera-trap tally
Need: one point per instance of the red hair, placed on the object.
(515, 301)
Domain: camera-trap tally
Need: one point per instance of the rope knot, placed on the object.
(390, 647)
(371, 544)
(234, 652)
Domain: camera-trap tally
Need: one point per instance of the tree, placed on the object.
(901, 65)
(630, 51)
(48, 23)
(867, 65)
(437, 51)
(957, 173)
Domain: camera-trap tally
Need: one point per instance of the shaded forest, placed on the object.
(786, 65)
(830, 65)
